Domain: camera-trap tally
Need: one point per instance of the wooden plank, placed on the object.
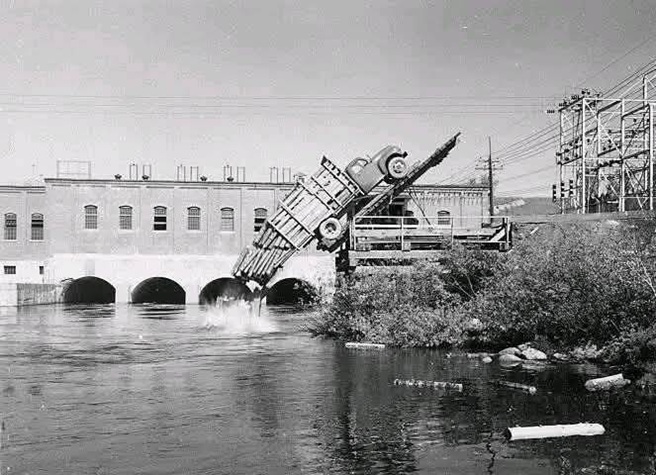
(325, 190)
(337, 173)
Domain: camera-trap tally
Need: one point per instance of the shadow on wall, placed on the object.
(89, 290)
(159, 290)
(291, 291)
(225, 288)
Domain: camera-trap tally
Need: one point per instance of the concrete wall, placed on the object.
(27, 270)
(18, 295)
(191, 272)
(37, 294)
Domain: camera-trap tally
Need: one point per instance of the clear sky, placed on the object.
(280, 83)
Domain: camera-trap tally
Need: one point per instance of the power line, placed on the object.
(614, 61)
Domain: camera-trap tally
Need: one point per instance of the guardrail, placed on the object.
(425, 232)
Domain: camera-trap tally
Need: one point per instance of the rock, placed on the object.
(533, 354)
(510, 351)
(560, 357)
(509, 360)
(486, 359)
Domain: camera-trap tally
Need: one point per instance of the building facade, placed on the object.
(139, 241)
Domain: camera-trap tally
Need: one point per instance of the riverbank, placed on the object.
(582, 291)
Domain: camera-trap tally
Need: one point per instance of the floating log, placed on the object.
(544, 432)
(365, 346)
(428, 384)
(600, 384)
(521, 387)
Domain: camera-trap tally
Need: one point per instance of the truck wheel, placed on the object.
(330, 228)
(397, 168)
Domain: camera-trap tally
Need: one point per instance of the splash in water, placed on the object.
(238, 317)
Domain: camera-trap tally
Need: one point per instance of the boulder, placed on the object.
(486, 359)
(533, 354)
(560, 357)
(508, 359)
(510, 351)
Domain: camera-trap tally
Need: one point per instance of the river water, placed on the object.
(190, 390)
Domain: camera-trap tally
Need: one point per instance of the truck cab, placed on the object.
(386, 164)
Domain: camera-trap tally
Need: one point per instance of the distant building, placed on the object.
(175, 241)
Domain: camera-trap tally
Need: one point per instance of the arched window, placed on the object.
(227, 219)
(37, 227)
(443, 218)
(193, 218)
(260, 216)
(11, 224)
(159, 218)
(125, 217)
(90, 217)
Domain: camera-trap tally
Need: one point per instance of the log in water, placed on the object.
(562, 430)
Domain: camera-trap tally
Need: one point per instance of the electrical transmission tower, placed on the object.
(606, 151)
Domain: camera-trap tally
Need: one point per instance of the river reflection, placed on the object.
(175, 389)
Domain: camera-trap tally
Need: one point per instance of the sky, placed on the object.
(281, 83)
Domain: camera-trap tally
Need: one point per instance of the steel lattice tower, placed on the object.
(606, 151)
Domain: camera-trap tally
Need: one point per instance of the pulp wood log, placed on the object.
(543, 432)
(521, 387)
(365, 346)
(429, 384)
(600, 384)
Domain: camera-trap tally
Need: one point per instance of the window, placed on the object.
(37, 227)
(125, 217)
(41, 268)
(193, 218)
(443, 218)
(10, 226)
(227, 219)
(159, 219)
(90, 217)
(10, 270)
(259, 219)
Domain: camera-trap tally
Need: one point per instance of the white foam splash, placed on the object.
(238, 318)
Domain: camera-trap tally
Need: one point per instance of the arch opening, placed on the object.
(225, 288)
(159, 290)
(292, 291)
(89, 290)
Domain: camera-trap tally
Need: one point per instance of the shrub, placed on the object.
(569, 286)
(397, 306)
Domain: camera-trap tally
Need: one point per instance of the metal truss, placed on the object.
(606, 151)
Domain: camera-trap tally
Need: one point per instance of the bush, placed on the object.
(396, 306)
(564, 286)
(568, 286)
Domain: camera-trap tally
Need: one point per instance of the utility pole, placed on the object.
(490, 176)
(490, 167)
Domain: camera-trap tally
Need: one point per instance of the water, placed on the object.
(173, 390)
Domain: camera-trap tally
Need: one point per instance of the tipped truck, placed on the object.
(314, 208)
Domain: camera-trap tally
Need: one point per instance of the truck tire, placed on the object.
(330, 229)
(397, 168)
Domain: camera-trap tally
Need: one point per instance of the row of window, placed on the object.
(227, 222)
(11, 270)
(11, 227)
(160, 214)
